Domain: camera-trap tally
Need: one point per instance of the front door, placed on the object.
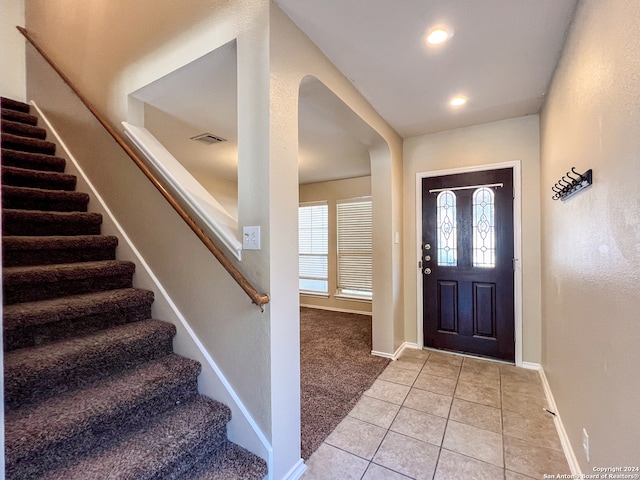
(467, 263)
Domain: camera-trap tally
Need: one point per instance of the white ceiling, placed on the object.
(502, 57)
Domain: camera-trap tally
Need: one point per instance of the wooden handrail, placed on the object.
(256, 297)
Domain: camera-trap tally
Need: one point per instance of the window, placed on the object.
(354, 221)
(484, 228)
(313, 247)
(447, 229)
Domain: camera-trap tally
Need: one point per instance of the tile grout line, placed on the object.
(460, 369)
(504, 453)
(389, 429)
(446, 425)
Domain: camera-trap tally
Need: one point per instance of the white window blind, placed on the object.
(313, 247)
(354, 247)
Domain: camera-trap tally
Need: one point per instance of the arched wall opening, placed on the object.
(342, 158)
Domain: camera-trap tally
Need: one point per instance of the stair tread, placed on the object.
(18, 116)
(11, 104)
(40, 199)
(23, 129)
(51, 216)
(29, 283)
(37, 178)
(27, 144)
(18, 222)
(82, 358)
(65, 271)
(30, 429)
(44, 193)
(35, 160)
(23, 250)
(19, 315)
(57, 242)
(230, 463)
(152, 452)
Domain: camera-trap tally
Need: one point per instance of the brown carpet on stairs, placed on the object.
(336, 368)
(92, 387)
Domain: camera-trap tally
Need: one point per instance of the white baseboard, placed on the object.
(562, 433)
(246, 430)
(390, 356)
(397, 353)
(334, 309)
(296, 472)
(531, 366)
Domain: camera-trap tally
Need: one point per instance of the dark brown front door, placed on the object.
(467, 263)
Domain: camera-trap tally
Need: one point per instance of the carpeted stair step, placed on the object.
(34, 323)
(48, 250)
(52, 433)
(17, 116)
(25, 198)
(163, 449)
(37, 223)
(24, 177)
(41, 282)
(25, 144)
(230, 462)
(33, 161)
(11, 104)
(23, 129)
(34, 374)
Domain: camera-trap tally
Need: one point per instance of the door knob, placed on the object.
(427, 271)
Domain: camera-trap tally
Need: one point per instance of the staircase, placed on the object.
(92, 387)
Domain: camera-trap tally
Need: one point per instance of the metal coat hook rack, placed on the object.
(569, 185)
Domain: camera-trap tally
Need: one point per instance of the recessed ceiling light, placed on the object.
(458, 101)
(439, 35)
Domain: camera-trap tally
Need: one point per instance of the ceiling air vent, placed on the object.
(208, 138)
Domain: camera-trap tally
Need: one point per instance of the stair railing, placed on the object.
(256, 297)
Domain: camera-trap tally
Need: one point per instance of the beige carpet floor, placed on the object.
(336, 367)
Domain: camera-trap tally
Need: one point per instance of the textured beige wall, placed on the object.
(591, 242)
(12, 67)
(332, 192)
(174, 136)
(224, 191)
(504, 141)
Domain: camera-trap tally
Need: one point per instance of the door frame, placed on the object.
(517, 244)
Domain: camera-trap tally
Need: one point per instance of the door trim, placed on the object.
(517, 244)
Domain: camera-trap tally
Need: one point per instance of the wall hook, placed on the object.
(568, 185)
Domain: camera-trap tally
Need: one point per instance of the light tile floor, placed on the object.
(440, 416)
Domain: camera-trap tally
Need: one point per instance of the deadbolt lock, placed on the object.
(427, 246)
(427, 258)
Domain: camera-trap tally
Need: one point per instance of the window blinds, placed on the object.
(354, 246)
(313, 241)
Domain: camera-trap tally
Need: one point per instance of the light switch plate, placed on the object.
(251, 238)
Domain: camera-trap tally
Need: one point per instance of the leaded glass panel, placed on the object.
(447, 230)
(484, 228)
